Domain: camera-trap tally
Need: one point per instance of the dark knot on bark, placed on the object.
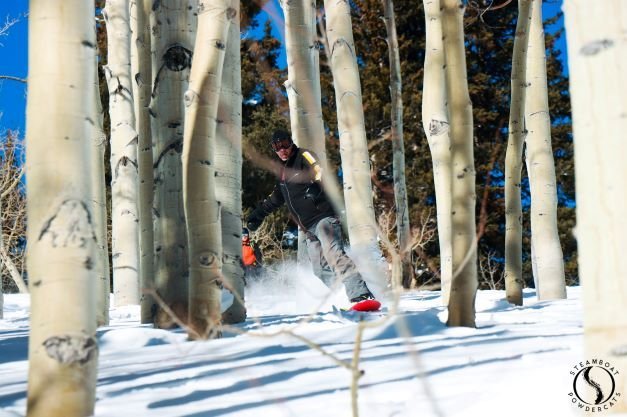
(177, 58)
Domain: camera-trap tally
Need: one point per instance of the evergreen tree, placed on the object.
(265, 109)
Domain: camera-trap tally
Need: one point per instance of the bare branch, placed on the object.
(12, 186)
(489, 269)
(4, 30)
(12, 212)
(11, 78)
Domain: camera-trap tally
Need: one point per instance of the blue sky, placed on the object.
(13, 61)
(14, 56)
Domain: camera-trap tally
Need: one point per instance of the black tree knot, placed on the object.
(177, 58)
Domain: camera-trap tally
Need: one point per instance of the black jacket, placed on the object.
(299, 187)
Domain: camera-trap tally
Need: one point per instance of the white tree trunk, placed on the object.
(303, 76)
(513, 159)
(597, 54)
(99, 205)
(362, 227)
(133, 6)
(304, 93)
(228, 165)
(436, 126)
(398, 149)
(202, 211)
(62, 245)
(124, 177)
(142, 77)
(173, 31)
(461, 306)
(546, 256)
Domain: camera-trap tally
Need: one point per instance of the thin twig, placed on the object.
(11, 78)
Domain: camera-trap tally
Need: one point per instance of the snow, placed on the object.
(515, 363)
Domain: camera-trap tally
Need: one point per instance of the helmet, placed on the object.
(281, 139)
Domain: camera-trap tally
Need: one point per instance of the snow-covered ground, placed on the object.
(515, 363)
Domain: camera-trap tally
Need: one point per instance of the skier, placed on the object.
(251, 256)
(299, 187)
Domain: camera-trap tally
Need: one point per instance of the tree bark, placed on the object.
(173, 29)
(461, 306)
(303, 79)
(304, 93)
(546, 252)
(435, 121)
(403, 231)
(362, 229)
(513, 159)
(142, 75)
(99, 205)
(61, 238)
(124, 178)
(228, 165)
(202, 210)
(597, 54)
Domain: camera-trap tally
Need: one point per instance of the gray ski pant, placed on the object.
(325, 247)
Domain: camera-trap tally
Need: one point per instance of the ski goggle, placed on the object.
(281, 144)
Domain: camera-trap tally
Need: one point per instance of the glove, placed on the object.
(313, 192)
(253, 224)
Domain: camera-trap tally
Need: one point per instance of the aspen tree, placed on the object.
(546, 252)
(362, 229)
(142, 77)
(461, 306)
(173, 29)
(304, 94)
(303, 75)
(228, 166)
(403, 231)
(61, 238)
(124, 178)
(99, 205)
(133, 17)
(202, 210)
(597, 58)
(436, 126)
(513, 159)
